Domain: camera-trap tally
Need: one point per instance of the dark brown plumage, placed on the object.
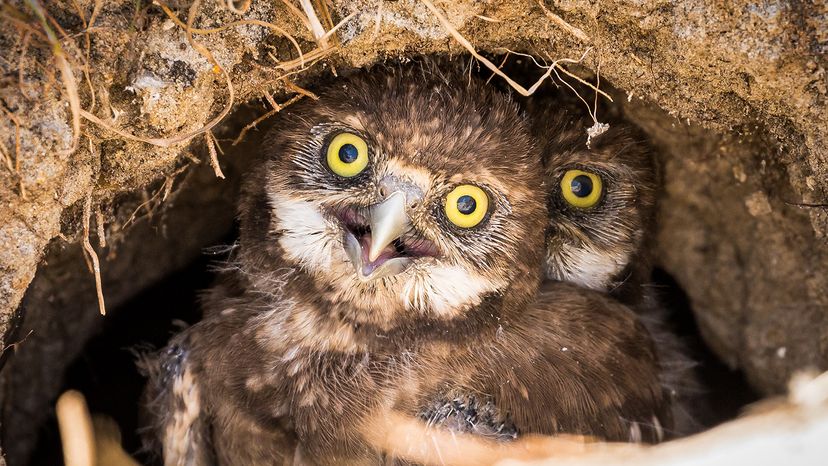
(608, 246)
(317, 325)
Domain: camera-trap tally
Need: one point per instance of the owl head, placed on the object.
(602, 204)
(403, 193)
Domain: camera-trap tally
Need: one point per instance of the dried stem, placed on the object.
(297, 13)
(315, 25)
(254, 22)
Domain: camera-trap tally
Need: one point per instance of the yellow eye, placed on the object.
(581, 189)
(347, 155)
(466, 205)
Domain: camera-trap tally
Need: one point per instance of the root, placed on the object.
(276, 108)
(555, 67)
(301, 61)
(300, 90)
(165, 189)
(579, 34)
(211, 148)
(297, 13)
(99, 223)
(494, 68)
(253, 22)
(92, 256)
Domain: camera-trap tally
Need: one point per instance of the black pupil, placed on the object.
(581, 186)
(348, 153)
(466, 205)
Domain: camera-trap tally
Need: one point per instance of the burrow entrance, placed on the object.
(159, 257)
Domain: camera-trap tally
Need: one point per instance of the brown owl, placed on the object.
(390, 259)
(602, 202)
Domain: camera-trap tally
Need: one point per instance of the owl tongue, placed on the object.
(369, 266)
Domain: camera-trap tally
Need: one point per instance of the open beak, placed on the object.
(388, 221)
(376, 254)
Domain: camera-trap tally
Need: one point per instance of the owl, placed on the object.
(602, 201)
(390, 259)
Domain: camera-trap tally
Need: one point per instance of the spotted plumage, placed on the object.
(390, 259)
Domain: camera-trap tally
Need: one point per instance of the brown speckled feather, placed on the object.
(297, 352)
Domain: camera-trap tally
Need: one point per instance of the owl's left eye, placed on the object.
(347, 155)
(467, 205)
(581, 189)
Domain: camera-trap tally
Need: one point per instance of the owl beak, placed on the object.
(389, 220)
(383, 242)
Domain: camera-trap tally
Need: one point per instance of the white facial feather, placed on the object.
(586, 267)
(306, 232)
(446, 289)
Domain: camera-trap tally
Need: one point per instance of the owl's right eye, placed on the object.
(581, 189)
(347, 155)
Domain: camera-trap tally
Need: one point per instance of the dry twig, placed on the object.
(99, 223)
(297, 13)
(470, 48)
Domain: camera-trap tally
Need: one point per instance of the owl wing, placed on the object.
(178, 425)
(575, 362)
